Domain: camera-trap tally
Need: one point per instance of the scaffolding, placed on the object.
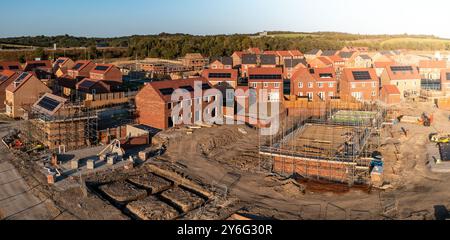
(72, 127)
(330, 140)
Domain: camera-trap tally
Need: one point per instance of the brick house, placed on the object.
(13, 66)
(6, 78)
(92, 86)
(390, 94)
(405, 77)
(315, 83)
(81, 69)
(291, 65)
(221, 63)
(431, 70)
(33, 65)
(313, 54)
(154, 104)
(445, 80)
(320, 62)
(349, 58)
(237, 58)
(248, 61)
(360, 83)
(380, 66)
(107, 73)
(24, 91)
(61, 65)
(221, 78)
(363, 61)
(274, 53)
(296, 54)
(328, 53)
(194, 61)
(270, 79)
(267, 60)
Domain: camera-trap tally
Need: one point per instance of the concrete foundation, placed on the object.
(74, 164)
(90, 164)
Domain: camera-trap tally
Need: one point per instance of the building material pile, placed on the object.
(183, 199)
(151, 182)
(123, 192)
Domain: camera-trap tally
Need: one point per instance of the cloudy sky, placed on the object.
(105, 18)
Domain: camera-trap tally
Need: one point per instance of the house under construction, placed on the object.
(335, 145)
(62, 125)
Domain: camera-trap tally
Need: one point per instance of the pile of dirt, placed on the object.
(208, 144)
(151, 208)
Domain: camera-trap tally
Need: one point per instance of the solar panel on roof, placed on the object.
(401, 68)
(205, 86)
(48, 103)
(86, 84)
(188, 88)
(265, 76)
(101, 68)
(77, 66)
(59, 61)
(166, 91)
(219, 75)
(3, 78)
(361, 75)
(21, 77)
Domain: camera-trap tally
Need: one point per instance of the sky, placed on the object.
(109, 18)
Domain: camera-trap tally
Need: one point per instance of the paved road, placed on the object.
(16, 201)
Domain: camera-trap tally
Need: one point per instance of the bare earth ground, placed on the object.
(226, 157)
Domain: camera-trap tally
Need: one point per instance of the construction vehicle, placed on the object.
(440, 137)
(426, 119)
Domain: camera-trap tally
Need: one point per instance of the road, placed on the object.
(16, 200)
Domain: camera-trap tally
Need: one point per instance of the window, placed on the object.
(357, 95)
(300, 85)
(310, 95)
(330, 84)
(320, 85)
(169, 106)
(322, 95)
(254, 85)
(266, 84)
(374, 93)
(300, 94)
(276, 85)
(310, 85)
(353, 85)
(374, 85)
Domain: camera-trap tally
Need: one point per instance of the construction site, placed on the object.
(335, 141)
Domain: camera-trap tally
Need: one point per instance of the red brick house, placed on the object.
(6, 78)
(316, 83)
(431, 70)
(248, 61)
(13, 66)
(93, 86)
(405, 77)
(320, 62)
(360, 83)
(221, 78)
(274, 53)
(33, 65)
(237, 58)
(390, 94)
(221, 63)
(445, 80)
(296, 54)
(106, 72)
(154, 104)
(81, 69)
(270, 79)
(291, 65)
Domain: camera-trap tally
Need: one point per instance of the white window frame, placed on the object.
(300, 85)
